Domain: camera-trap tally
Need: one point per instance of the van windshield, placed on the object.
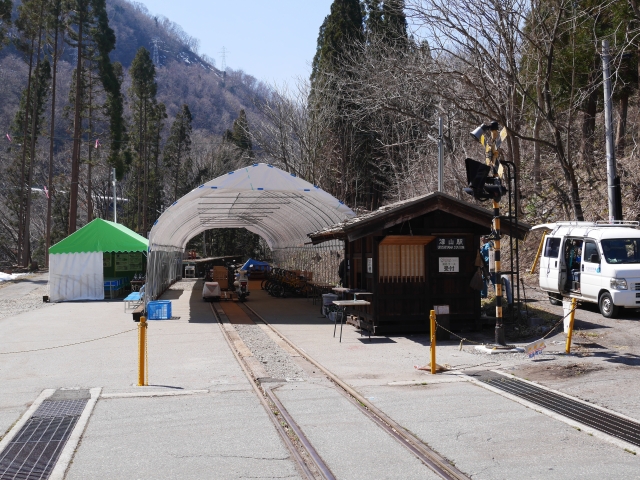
(621, 250)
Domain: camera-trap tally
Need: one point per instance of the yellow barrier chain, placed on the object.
(68, 344)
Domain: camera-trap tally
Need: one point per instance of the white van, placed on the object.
(593, 262)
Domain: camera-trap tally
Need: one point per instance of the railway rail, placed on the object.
(311, 464)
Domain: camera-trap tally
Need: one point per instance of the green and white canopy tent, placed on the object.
(76, 263)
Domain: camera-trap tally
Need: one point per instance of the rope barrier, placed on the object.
(463, 339)
(69, 344)
(466, 366)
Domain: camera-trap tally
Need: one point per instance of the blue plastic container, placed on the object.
(159, 310)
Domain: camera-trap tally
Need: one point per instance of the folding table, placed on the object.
(343, 304)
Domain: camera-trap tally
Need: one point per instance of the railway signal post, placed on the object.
(485, 183)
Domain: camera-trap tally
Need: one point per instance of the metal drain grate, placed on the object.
(34, 451)
(595, 418)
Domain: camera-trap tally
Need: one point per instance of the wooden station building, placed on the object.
(413, 255)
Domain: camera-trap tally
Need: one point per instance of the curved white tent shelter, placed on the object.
(278, 206)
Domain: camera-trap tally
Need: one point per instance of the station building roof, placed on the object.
(393, 214)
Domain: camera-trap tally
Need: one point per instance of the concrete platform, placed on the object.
(484, 434)
(225, 430)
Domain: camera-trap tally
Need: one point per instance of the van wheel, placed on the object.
(555, 299)
(607, 308)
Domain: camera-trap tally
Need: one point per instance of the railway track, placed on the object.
(310, 463)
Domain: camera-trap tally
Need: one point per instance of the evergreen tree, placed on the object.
(145, 133)
(239, 134)
(373, 22)
(341, 28)
(6, 6)
(38, 91)
(55, 29)
(386, 32)
(157, 175)
(30, 24)
(88, 32)
(394, 23)
(177, 150)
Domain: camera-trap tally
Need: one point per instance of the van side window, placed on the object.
(552, 248)
(590, 250)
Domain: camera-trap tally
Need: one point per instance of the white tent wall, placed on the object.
(76, 276)
(164, 267)
(323, 260)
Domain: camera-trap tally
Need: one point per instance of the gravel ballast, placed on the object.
(186, 285)
(275, 360)
(25, 303)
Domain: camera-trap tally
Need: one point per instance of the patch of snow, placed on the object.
(185, 58)
(4, 277)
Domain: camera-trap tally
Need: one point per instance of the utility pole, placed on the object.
(440, 157)
(613, 181)
(115, 209)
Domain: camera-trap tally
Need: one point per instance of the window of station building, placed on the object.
(401, 263)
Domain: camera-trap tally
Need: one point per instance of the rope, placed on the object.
(559, 322)
(69, 344)
(466, 366)
(463, 339)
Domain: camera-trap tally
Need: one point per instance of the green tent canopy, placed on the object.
(102, 236)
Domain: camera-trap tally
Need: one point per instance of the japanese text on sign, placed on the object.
(449, 264)
(535, 348)
(450, 244)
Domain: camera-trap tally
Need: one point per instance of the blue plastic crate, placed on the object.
(159, 310)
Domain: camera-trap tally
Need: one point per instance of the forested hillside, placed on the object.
(363, 127)
(154, 164)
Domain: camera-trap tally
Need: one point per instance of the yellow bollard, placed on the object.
(142, 349)
(432, 317)
(572, 315)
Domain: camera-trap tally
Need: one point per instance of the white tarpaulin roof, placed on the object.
(265, 200)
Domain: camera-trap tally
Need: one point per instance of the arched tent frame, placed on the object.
(278, 206)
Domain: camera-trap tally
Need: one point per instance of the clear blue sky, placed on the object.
(273, 40)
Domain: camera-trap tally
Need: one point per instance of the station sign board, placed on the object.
(450, 243)
(448, 264)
